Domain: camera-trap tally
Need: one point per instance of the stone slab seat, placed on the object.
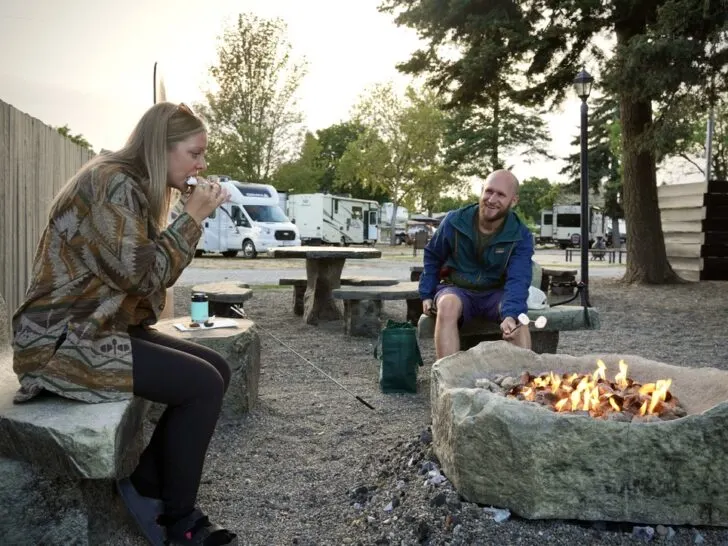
(59, 458)
(221, 295)
(299, 286)
(58, 461)
(363, 305)
(546, 340)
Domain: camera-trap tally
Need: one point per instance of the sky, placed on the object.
(89, 63)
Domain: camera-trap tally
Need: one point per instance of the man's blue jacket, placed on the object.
(505, 262)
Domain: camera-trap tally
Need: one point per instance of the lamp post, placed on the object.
(582, 86)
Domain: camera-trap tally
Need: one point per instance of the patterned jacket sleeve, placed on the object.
(113, 242)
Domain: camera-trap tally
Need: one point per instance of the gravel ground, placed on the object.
(311, 466)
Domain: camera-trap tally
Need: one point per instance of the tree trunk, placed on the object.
(495, 162)
(616, 235)
(646, 255)
(393, 223)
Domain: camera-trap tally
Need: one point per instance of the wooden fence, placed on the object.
(35, 161)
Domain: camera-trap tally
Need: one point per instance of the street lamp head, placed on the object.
(583, 84)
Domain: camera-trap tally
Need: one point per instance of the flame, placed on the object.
(621, 378)
(594, 394)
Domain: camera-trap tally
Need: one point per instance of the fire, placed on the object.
(595, 394)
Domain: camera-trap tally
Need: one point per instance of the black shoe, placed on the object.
(144, 510)
(197, 530)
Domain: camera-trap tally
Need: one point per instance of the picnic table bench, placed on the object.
(59, 458)
(299, 286)
(363, 306)
(612, 254)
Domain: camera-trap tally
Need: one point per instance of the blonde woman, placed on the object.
(98, 283)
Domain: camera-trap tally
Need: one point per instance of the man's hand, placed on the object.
(508, 327)
(427, 306)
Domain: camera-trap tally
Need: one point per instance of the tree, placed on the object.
(665, 50)
(401, 144)
(334, 141)
(77, 138)
(302, 175)
(447, 203)
(534, 195)
(604, 158)
(604, 165)
(252, 111)
(479, 138)
(693, 145)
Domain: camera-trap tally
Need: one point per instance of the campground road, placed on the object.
(395, 263)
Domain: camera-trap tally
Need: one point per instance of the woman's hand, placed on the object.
(204, 199)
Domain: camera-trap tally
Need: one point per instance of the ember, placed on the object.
(598, 396)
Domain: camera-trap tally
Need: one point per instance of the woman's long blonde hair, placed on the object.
(144, 155)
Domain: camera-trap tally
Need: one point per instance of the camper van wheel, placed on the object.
(230, 253)
(198, 253)
(343, 242)
(249, 249)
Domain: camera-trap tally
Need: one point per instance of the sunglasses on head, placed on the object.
(186, 109)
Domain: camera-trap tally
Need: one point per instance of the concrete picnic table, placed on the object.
(323, 274)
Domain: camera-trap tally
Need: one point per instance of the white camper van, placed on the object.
(256, 211)
(565, 229)
(251, 221)
(333, 219)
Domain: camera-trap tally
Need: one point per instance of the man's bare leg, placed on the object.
(522, 338)
(447, 337)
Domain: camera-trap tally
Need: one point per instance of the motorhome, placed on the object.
(250, 222)
(562, 225)
(546, 234)
(332, 219)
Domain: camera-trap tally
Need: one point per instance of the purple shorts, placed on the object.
(475, 304)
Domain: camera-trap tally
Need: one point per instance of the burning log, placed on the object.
(622, 399)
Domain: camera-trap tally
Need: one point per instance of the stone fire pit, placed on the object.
(541, 464)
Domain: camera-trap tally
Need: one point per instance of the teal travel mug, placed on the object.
(199, 311)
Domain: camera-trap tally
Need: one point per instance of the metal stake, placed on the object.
(244, 315)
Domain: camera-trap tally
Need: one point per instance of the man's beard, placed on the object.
(499, 215)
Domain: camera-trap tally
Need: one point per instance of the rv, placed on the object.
(332, 219)
(251, 222)
(562, 225)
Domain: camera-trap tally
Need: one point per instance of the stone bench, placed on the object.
(59, 458)
(546, 340)
(363, 305)
(221, 295)
(241, 348)
(299, 287)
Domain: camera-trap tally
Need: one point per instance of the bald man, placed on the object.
(478, 264)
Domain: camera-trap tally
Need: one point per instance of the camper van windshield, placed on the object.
(265, 213)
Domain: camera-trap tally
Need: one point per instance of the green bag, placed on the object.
(400, 357)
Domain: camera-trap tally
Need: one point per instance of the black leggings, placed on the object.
(191, 380)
